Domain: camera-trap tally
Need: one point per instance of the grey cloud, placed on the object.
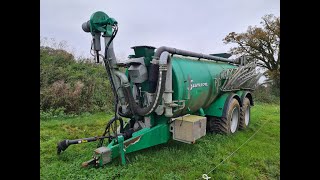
(192, 25)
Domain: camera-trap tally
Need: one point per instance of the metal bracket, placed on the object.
(177, 105)
(121, 149)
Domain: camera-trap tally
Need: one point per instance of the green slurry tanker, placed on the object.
(166, 93)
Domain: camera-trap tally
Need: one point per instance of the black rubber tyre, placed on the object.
(210, 123)
(222, 125)
(245, 114)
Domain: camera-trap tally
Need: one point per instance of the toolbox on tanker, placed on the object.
(188, 128)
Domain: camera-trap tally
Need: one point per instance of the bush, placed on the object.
(70, 86)
(267, 94)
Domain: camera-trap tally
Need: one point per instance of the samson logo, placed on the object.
(196, 85)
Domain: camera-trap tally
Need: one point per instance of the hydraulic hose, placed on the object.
(107, 66)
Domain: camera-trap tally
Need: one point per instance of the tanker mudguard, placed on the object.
(244, 94)
(219, 107)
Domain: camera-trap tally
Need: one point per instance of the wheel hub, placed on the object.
(247, 116)
(234, 120)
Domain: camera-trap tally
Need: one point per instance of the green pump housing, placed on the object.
(168, 93)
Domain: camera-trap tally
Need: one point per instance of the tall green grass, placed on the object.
(259, 158)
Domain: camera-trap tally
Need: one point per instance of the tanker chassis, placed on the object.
(166, 93)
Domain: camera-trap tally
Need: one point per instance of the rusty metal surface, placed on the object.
(132, 141)
(87, 163)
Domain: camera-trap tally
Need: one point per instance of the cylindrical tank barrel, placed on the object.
(195, 82)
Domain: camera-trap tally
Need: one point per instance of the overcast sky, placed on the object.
(192, 25)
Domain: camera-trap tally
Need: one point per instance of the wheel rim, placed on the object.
(234, 120)
(247, 116)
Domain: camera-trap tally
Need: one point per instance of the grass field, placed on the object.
(259, 158)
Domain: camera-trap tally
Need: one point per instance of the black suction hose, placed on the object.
(155, 101)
